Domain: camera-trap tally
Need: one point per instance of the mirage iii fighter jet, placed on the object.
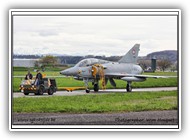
(95, 70)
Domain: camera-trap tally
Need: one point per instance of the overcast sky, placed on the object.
(93, 35)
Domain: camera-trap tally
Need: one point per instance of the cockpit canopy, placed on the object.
(90, 62)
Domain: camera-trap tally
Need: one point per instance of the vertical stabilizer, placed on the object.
(131, 56)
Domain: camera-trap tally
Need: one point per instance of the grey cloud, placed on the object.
(95, 35)
(48, 33)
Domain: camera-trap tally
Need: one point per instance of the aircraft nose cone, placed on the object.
(64, 72)
(69, 72)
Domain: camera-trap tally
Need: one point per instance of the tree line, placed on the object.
(52, 61)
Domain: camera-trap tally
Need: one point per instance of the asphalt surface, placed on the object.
(168, 117)
(82, 92)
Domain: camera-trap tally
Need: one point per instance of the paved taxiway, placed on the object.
(82, 92)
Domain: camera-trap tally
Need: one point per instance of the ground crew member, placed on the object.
(38, 77)
(28, 76)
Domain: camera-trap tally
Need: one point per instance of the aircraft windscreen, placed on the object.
(90, 62)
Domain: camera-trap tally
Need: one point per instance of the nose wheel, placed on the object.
(87, 90)
(86, 85)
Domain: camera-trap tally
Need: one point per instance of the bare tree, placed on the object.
(144, 64)
(164, 64)
(48, 61)
(36, 63)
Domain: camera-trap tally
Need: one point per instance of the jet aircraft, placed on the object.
(95, 70)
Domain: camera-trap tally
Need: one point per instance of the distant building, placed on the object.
(24, 62)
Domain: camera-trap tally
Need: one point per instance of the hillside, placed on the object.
(171, 55)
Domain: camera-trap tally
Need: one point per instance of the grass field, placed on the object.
(98, 103)
(70, 82)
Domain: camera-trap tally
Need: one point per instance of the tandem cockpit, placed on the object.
(73, 71)
(90, 62)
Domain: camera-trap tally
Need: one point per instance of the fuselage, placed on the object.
(83, 69)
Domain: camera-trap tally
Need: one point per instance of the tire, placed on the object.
(51, 90)
(87, 90)
(96, 87)
(26, 93)
(41, 90)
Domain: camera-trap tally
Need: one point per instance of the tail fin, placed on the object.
(131, 56)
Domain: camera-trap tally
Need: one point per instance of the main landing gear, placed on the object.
(128, 87)
(96, 87)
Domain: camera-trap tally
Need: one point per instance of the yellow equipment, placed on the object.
(70, 89)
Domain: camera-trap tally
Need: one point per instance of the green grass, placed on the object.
(70, 82)
(98, 103)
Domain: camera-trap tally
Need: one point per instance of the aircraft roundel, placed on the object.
(133, 51)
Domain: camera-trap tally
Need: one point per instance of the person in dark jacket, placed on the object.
(38, 77)
(28, 76)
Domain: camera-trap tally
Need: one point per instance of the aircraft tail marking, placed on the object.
(131, 56)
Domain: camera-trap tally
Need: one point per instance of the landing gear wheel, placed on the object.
(128, 88)
(96, 87)
(50, 91)
(87, 90)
